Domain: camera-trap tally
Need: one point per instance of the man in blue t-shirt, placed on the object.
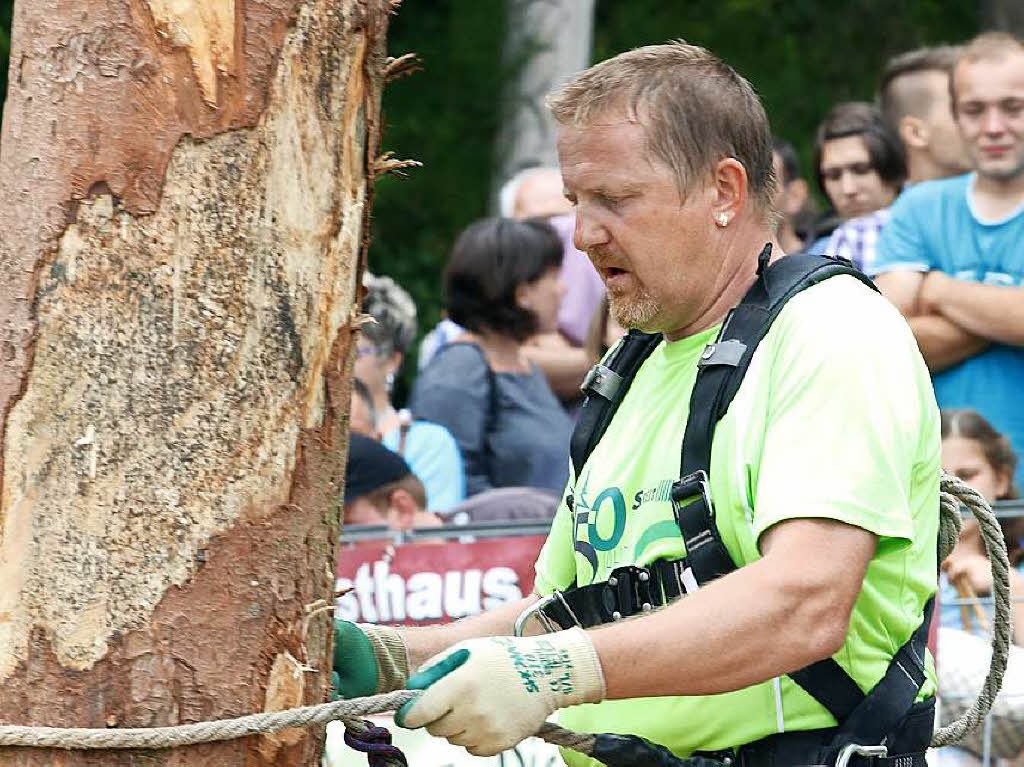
(952, 256)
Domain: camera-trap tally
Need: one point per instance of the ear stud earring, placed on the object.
(722, 219)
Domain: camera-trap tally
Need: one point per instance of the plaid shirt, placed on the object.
(857, 239)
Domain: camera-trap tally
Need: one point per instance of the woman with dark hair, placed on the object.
(501, 284)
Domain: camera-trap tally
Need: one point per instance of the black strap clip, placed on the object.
(602, 381)
(628, 591)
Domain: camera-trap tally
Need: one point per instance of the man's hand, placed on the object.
(932, 295)
(368, 660)
(489, 694)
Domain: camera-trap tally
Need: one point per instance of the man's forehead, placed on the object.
(990, 72)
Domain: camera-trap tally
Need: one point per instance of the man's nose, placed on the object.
(992, 120)
(847, 183)
(588, 231)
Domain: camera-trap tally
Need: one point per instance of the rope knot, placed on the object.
(375, 742)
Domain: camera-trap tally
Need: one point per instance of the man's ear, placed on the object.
(730, 190)
(402, 510)
(914, 132)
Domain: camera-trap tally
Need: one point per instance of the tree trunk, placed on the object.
(184, 204)
(547, 41)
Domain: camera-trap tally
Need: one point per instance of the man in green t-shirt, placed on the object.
(824, 470)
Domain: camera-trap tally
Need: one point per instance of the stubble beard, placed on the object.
(637, 312)
(1001, 173)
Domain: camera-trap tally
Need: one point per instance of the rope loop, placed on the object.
(953, 493)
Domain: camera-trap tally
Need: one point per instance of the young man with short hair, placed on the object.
(951, 257)
(915, 102)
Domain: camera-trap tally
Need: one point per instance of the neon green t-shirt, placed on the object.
(835, 419)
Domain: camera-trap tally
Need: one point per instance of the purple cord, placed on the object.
(376, 744)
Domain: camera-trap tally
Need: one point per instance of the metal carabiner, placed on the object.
(853, 750)
(536, 609)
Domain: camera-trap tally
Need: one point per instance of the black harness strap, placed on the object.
(721, 370)
(605, 387)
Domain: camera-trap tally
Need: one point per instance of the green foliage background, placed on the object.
(801, 55)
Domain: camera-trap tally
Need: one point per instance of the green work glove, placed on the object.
(368, 660)
(488, 694)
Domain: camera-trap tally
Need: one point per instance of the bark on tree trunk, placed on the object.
(184, 203)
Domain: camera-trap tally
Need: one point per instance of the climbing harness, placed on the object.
(888, 714)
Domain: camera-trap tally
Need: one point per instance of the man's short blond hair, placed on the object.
(695, 108)
(987, 45)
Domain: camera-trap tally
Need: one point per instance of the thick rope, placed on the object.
(953, 492)
(348, 711)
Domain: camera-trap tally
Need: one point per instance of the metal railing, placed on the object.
(359, 533)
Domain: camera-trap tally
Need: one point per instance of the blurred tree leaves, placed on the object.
(802, 56)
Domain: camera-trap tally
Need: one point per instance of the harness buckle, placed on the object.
(537, 610)
(852, 750)
(629, 591)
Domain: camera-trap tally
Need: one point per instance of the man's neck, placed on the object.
(996, 198)
(739, 270)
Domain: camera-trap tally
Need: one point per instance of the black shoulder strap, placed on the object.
(605, 387)
(720, 373)
(724, 362)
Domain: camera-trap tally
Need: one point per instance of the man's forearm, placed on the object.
(993, 312)
(424, 643)
(729, 635)
(771, 617)
(565, 367)
(944, 343)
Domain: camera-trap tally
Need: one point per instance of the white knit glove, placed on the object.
(489, 694)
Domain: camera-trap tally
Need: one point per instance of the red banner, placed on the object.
(421, 583)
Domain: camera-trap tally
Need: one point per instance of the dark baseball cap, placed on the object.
(370, 467)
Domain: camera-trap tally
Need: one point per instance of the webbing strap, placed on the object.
(605, 387)
(890, 699)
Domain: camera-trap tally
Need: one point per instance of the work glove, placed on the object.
(489, 694)
(368, 660)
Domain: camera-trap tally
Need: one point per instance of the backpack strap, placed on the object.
(605, 387)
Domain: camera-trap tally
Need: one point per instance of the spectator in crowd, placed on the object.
(380, 488)
(859, 165)
(362, 415)
(502, 285)
(430, 450)
(982, 457)
(915, 102)
(976, 453)
(533, 193)
(951, 257)
(790, 194)
(560, 354)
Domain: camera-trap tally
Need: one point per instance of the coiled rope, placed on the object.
(953, 492)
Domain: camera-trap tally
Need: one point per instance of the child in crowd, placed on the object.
(976, 453)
